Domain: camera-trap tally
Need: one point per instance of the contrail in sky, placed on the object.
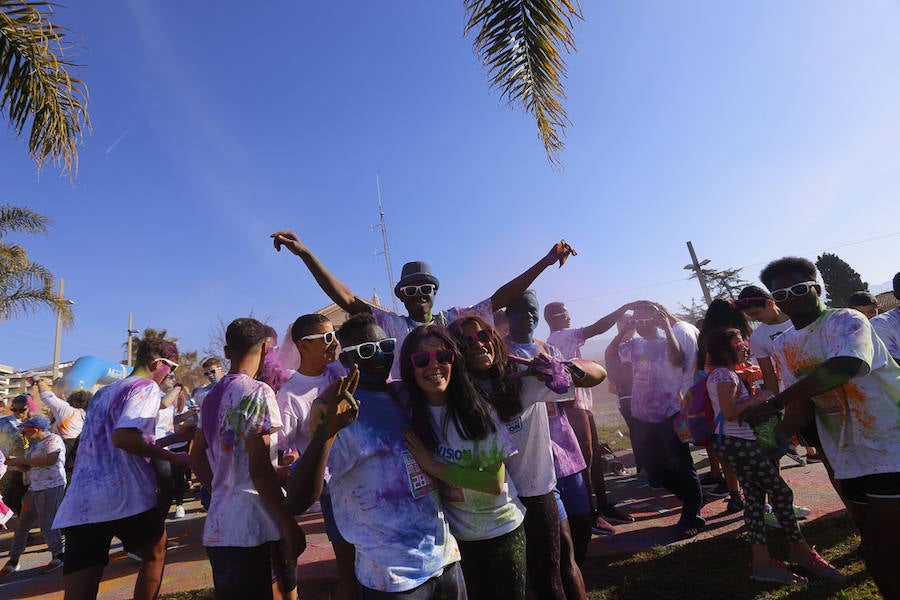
(121, 137)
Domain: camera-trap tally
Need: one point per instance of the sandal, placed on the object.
(686, 531)
(602, 527)
(775, 572)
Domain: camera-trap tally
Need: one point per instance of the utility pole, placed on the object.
(58, 334)
(131, 332)
(386, 252)
(695, 266)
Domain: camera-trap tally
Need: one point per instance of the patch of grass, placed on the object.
(719, 568)
(614, 435)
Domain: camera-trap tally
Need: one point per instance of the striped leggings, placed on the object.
(759, 477)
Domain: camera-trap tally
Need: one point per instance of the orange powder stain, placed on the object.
(856, 403)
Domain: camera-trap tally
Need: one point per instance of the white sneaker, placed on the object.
(179, 512)
(134, 557)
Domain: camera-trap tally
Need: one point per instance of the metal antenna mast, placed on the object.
(386, 251)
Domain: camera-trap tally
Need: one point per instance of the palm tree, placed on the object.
(35, 85)
(521, 44)
(25, 285)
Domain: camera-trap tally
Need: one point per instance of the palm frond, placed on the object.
(22, 220)
(521, 44)
(13, 259)
(36, 85)
(33, 287)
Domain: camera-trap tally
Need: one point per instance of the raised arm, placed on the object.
(514, 288)
(673, 349)
(333, 287)
(604, 324)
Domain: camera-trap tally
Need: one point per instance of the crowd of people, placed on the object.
(452, 453)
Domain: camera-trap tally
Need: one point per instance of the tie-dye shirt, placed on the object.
(11, 441)
(109, 483)
(887, 326)
(859, 421)
(475, 515)
(398, 326)
(235, 408)
(384, 503)
(656, 383)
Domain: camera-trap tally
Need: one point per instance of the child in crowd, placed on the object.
(457, 440)
(44, 462)
(735, 442)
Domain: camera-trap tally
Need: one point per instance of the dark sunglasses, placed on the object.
(426, 289)
(18, 410)
(210, 372)
(483, 335)
(367, 349)
(420, 360)
(798, 289)
(750, 301)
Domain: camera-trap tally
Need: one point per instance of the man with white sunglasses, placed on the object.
(416, 289)
(212, 370)
(113, 487)
(834, 365)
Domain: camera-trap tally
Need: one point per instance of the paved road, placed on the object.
(187, 567)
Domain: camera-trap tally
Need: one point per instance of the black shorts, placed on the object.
(877, 485)
(88, 545)
(242, 573)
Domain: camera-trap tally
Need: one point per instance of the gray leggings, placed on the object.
(38, 507)
(759, 476)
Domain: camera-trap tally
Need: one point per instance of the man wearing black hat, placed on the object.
(416, 289)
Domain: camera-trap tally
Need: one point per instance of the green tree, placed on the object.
(36, 87)
(521, 43)
(25, 285)
(841, 280)
(722, 283)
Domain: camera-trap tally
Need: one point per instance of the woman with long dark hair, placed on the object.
(457, 440)
(519, 405)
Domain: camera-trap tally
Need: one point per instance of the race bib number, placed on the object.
(419, 482)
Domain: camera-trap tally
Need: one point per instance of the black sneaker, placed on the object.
(719, 491)
(615, 516)
(735, 504)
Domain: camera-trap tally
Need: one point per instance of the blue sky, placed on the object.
(754, 130)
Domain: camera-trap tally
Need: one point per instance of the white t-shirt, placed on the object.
(859, 421)
(398, 326)
(531, 468)
(109, 483)
(656, 382)
(887, 326)
(475, 515)
(165, 422)
(294, 401)
(384, 503)
(687, 335)
(763, 338)
(730, 428)
(67, 421)
(237, 407)
(569, 342)
(44, 478)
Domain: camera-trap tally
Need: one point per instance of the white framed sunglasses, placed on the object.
(426, 289)
(798, 289)
(172, 365)
(368, 349)
(328, 337)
